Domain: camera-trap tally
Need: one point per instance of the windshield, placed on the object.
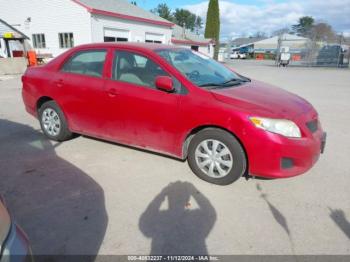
(200, 69)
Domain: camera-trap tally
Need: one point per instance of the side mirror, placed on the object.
(164, 83)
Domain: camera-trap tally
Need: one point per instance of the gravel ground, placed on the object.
(86, 196)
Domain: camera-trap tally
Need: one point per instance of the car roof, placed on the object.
(139, 46)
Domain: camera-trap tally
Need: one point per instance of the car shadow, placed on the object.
(339, 218)
(182, 227)
(59, 206)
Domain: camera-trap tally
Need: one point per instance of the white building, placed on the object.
(53, 26)
(185, 38)
(11, 39)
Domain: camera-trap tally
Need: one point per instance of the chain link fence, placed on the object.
(315, 53)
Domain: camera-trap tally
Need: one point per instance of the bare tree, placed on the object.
(323, 32)
(281, 31)
(260, 34)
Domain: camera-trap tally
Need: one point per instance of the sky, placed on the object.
(244, 18)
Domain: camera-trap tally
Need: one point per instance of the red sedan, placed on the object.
(177, 102)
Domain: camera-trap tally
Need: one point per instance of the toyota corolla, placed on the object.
(177, 102)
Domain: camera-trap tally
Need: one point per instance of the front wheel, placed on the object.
(216, 156)
(53, 123)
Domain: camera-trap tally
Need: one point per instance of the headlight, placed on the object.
(283, 127)
(5, 224)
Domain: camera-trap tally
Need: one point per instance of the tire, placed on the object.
(58, 120)
(226, 144)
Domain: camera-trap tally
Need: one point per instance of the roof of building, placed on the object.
(246, 40)
(283, 37)
(122, 9)
(6, 28)
(135, 45)
(181, 36)
(264, 40)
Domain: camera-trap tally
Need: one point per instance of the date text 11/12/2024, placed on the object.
(173, 258)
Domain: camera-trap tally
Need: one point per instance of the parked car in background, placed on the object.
(242, 55)
(331, 55)
(234, 55)
(14, 245)
(178, 102)
(238, 55)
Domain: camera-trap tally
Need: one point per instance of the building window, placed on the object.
(116, 35)
(195, 47)
(66, 40)
(39, 41)
(153, 41)
(154, 38)
(115, 39)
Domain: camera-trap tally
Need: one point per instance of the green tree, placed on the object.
(164, 11)
(304, 26)
(133, 3)
(185, 18)
(212, 27)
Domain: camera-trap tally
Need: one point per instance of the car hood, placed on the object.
(5, 223)
(264, 100)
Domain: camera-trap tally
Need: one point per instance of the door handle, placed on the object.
(59, 83)
(112, 92)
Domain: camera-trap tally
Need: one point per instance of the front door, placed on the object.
(149, 117)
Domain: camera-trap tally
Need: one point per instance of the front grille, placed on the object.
(312, 125)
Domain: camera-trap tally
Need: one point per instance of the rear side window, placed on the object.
(86, 63)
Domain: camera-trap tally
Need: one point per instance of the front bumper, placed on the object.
(274, 156)
(16, 247)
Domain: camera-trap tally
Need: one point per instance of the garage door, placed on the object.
(154, 38)
(116, 35)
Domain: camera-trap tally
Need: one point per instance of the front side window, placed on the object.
(86, 63)
(66, 40)
(39, 41)
(200, 69)
(136, 69)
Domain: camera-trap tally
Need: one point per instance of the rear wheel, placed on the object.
(53, 123)
(216, 156)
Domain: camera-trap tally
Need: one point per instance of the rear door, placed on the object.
(149, 117)
(80, 84)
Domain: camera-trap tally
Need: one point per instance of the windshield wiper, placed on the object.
(231, 82)
(234, 80)
(210, 84)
